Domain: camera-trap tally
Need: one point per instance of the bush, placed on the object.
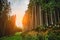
(53, 36)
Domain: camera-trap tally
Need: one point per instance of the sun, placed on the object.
(19, 17)
(19, 21)
(18, 7)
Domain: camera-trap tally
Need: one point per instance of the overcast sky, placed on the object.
(19, 7)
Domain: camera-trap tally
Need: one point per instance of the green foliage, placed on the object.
(41, 28)
(54, 36)
(50, 36)
(46, 4)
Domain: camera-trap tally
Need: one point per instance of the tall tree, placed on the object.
(4, 11)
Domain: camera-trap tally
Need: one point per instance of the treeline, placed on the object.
(42, 12)
(7, 22)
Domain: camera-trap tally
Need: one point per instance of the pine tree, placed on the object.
(4, 11)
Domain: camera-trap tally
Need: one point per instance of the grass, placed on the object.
(15, 37)
(33, 36)
(11, 38)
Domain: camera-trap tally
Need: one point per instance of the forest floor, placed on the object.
(33, 35)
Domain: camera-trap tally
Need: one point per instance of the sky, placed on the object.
(18, 7)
